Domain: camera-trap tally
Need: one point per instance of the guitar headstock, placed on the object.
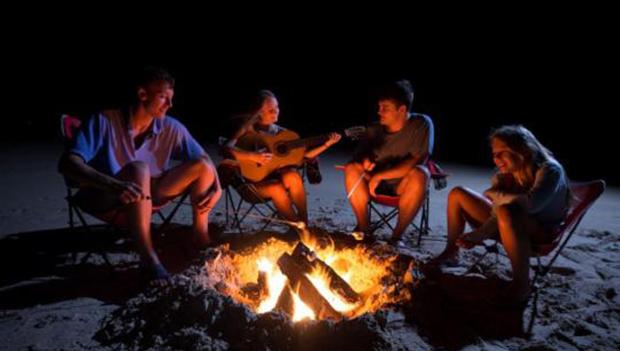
(356, 132)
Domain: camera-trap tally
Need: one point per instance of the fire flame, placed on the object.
(359, 268)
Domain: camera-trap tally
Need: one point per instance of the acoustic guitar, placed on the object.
(287, 147)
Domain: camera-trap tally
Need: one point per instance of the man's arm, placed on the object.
(74, 167)
(400, 170)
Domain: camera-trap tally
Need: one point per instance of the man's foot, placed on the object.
(448, 258)
(156, 275)
(394, 241)
(469, 240)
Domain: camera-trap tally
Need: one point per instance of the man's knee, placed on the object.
(136, 171)
(417, 178)
(420, 174)
(200, 168)
(353, 169)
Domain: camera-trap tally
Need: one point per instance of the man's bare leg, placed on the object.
(360, 197)
(139, 217)
(411, 192)
(200, 178)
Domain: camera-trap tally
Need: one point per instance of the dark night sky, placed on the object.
(561, 82)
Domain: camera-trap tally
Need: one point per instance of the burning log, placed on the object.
(307, 259)
(285, 302)
(296, 273)
(257, 291)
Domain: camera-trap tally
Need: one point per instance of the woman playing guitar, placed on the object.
(284, 186)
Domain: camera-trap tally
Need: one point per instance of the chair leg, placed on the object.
(168, 219)
(384, 219)
(534, 313)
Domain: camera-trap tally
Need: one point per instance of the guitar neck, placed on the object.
(307, 142)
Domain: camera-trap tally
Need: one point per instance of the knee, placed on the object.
(278, 191)
(291, 179)
(201, 168)
(418, 177)
(456, 195)
(201, 165)
(137, 171)
(217, 194)
(353, 169)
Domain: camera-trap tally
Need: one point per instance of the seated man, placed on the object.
(121, 159)
(390, 159)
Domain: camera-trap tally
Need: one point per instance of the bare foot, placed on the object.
(471, 239)
(394, 240)
(449, 257)
(157, 275)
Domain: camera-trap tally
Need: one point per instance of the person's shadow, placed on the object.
(453, 311)
(47, 266)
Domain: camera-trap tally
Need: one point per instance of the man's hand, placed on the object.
(374, 183)
(368, 165)
(129, 192)
(208, 202)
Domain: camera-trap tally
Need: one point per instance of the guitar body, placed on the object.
(283, 155)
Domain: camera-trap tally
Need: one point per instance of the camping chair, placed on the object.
(237, 193)
(583, 197)
(69, 128)
(439, 180)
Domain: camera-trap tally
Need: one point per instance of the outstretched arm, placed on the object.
(331, 140)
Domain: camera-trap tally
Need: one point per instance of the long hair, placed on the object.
(523, 142)
(243, 122)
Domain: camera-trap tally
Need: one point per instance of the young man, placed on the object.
(121, 158)
(391, 159)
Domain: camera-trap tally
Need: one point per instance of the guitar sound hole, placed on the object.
(281, 149)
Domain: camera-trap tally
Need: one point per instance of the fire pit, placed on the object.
(319, 291)
(313, 278)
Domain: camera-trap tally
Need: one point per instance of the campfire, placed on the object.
(310, 279)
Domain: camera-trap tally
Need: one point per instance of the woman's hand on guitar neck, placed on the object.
(332, 138)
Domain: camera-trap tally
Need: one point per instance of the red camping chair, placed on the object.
(439, 180)
(69, 128)
(583, 197)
